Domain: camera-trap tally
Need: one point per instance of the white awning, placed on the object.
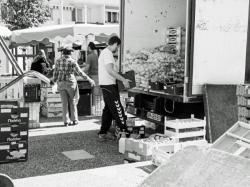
(54, 33)
(4, 31)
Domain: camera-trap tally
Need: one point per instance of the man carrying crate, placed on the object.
(113, 108)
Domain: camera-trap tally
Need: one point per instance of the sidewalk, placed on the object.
(125, 175)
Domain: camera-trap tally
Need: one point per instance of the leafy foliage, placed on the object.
(21, 14)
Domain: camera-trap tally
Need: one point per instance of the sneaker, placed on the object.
(106, 137)
(68, 124)
(102, 137)
(75, 122)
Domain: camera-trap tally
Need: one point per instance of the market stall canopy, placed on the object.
(54, 33)
(4, 32)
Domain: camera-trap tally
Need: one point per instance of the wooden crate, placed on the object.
(54, 114)
(51, 105)
(243, 112)
(243, 90)
(34, 114)
(13, 92)
(51, 109)
(185, 129)
(243, 101)
(48, 96)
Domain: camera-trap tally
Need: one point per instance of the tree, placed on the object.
(21, 14)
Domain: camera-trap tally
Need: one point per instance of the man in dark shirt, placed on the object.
(92, 70)
(92, 61)
(40, 63)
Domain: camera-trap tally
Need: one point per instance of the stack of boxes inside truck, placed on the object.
(243, 102)
(159, 147)
(14, 124)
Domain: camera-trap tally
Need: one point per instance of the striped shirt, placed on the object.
(65, 70)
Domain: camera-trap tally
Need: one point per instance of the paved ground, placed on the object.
(125, 175)
(47, 146)
(49, 165)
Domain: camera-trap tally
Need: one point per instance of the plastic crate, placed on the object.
(17, 116)
(13, 152)
(13, 136)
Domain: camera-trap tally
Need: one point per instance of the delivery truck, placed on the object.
(176, 47)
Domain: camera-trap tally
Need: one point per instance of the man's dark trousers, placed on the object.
(112, 109)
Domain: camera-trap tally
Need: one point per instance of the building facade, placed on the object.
(84, 11)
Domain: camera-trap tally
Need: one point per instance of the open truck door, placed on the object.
(218, 43)
(216, 35)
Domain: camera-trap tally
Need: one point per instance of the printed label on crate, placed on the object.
(5, 129)
(5, 110)
(4, 147)
(24, 133)
(24, 115)
(21, 145)
(16, 154)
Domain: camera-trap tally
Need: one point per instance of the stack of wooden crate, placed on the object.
(175, 38)
(51, 105)
(13, 134)
(183, 130)
(243, 102)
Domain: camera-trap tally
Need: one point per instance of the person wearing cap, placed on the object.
(108, 75)
(64, 74)
(91, 69)
(40, 63)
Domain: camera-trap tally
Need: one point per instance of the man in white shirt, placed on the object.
(107, 81)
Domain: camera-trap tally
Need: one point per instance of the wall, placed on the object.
(97, 14)
(145, 25)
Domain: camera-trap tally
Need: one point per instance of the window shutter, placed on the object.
(74, 14)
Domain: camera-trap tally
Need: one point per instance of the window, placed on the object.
(112, 17)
